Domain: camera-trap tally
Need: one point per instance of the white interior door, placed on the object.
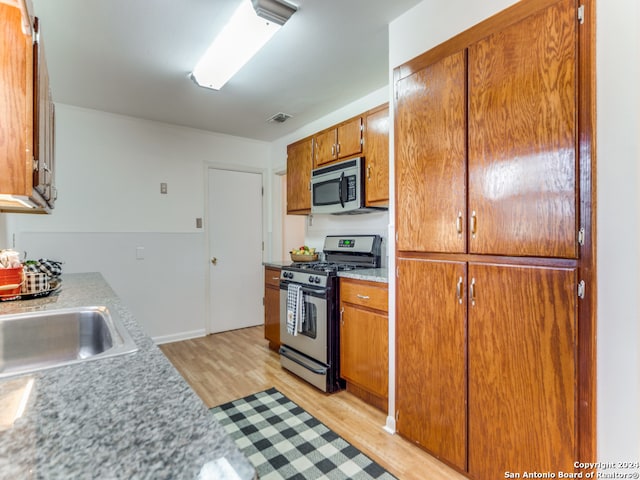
(235, 246)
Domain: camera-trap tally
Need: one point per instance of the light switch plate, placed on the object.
(163, 188)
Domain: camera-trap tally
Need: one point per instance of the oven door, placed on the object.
(312, 340)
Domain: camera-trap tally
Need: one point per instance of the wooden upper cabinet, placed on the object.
(43, 128)
(342, 141)
(299, 165)
(522, 137)
(376, 155)
(26, 109)
(522, 364)
(430, 133)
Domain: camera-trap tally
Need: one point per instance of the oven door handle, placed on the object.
(285, 352)
(313, 291)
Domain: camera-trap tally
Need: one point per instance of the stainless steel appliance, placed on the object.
(312, 351)
(339, 188)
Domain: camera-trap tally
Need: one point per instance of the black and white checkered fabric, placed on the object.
(283, 441)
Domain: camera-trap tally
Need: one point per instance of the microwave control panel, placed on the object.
(351, 188)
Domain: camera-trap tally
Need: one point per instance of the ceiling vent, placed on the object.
(279, 118)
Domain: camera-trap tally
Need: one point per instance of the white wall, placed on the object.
(4, 240)
(618, 200)
(618, 134)
(108, 171)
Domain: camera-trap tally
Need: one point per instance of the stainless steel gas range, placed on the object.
(309, 308)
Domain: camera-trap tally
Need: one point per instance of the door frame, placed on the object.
(208, 327)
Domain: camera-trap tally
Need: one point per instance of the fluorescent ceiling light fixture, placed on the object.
(239, 41)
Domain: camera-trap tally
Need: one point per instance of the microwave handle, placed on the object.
(340, 189)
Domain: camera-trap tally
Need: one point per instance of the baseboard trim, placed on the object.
(390, 427)
(177, 337)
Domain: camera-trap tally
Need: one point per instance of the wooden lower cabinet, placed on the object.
(522, 370)
(486, 365)
(364, 340)
(430, 358)
(272, 307)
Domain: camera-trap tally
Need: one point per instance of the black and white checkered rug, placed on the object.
(283, 441)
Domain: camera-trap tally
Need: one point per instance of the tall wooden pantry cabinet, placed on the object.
(494, 338)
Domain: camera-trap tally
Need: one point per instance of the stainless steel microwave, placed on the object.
(339, 188)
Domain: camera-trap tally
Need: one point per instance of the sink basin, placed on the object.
(52, 338)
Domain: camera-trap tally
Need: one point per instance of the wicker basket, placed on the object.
(11, 280)
(304, 258)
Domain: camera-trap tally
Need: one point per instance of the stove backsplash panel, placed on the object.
(375, 223)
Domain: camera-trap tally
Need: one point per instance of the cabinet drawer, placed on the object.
(367, 294)
(272, 276)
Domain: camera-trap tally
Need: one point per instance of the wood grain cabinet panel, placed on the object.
(26, 109)
(272, 307)
(491, 377)
(364, 340)
(430, 147)
(431, 357)
(522, 367)
(339, 142)
(299, 166)
(522, 137)
(376, 154)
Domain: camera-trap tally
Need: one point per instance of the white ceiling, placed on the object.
(133, 57)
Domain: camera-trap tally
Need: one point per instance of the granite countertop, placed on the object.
(380, 275)
(126, 417)
(369, 274)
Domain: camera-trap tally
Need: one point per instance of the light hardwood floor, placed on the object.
(227, 366)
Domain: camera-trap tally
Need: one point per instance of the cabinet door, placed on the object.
(272, 316)
(430, 357)
(349, 138)
(522, 364)
(16, 107)
(430, 162)
(376, 154)
(324, 147)
(522, 137)
(299, 164)
(364, 351)
(43, 124)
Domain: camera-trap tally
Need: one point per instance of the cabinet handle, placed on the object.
(338, 149)
(363, 297)
(459, 290)
(275, 278)
(474, 224)
(333, 150)
(342, 316)
(459, 223)
(472, 291)
(368, 172)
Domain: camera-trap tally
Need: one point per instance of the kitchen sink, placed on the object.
(36, 341)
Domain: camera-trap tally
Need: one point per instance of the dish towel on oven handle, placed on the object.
(295, 309)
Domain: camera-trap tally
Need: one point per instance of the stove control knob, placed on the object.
(317, 279)
(311, 279)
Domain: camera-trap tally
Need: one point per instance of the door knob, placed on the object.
(214, 260)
